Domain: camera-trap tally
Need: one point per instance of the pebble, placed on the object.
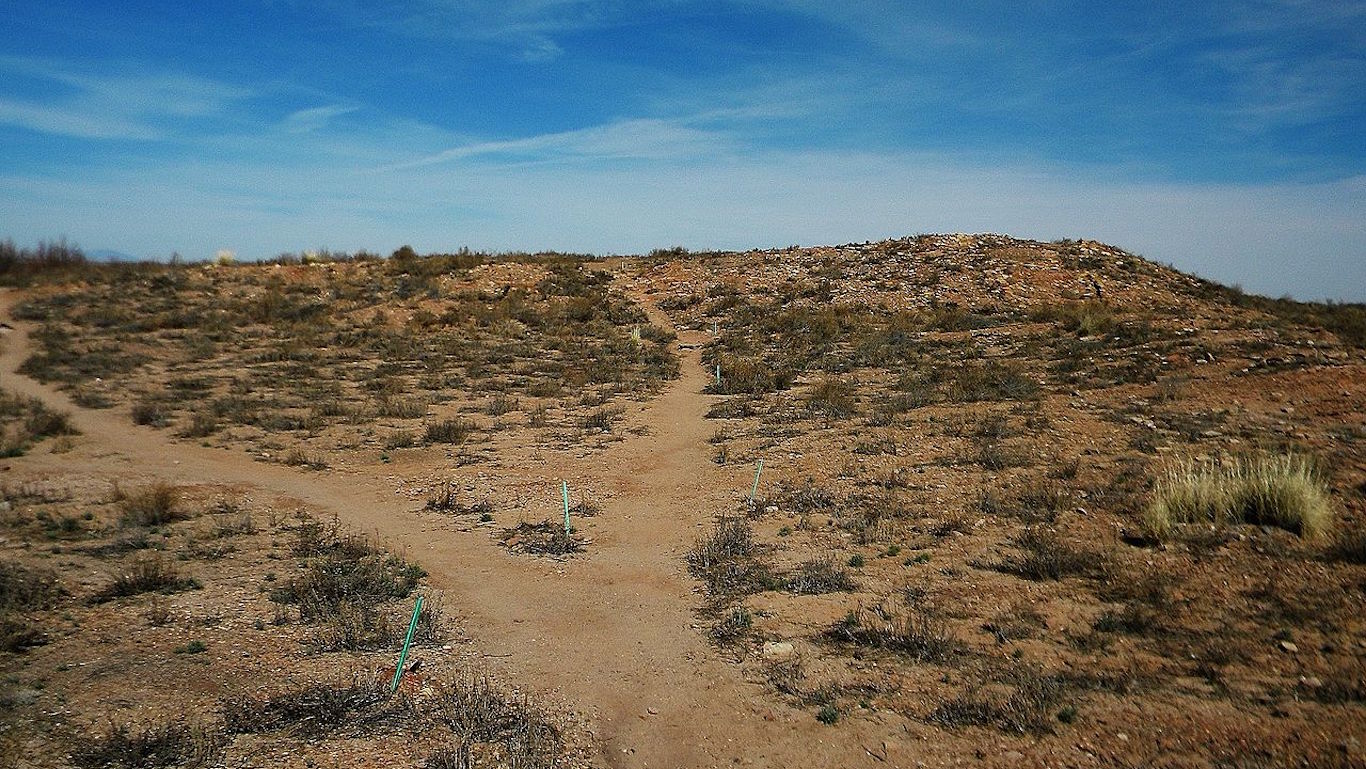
(1290, 647)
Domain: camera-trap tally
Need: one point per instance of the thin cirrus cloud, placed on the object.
(140, 105)
(638, 139)
(315, 118)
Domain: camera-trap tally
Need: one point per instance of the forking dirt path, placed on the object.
(611, 630)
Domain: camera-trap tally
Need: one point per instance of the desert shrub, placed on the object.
(1084, 318)
(356, 627)
(989, 381)
(476, 710)
(313, 710)
(1285, 491)
(445, 499)
(202, 425)
(43, 422)
(151, 413)
(832, 399)
(1022, 621)
(152, 505)
(1029, 709)
(542, 538)
(449, 431)
(919, 633)
(1037, 501)
(297, 457)
(805, 498)
(1045, 555)
(25, 421)
(600, 420)
(820, 575)
(1133, 619)
(725, 560)
(733, 626)
(170, 743)
(500, 405)
(733, 408)
(24, 589)
(345, 575)
(147, 575)
(749, 376)
(401, 408)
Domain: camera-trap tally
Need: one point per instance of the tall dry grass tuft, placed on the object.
(1287, 491)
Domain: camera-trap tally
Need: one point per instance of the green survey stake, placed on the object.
(564, 492)
(407, 642)
(755, 489)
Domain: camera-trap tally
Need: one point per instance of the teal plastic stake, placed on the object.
(407, 642)
(755, 489)
(564, 492)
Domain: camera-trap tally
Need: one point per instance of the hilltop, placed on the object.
(953, 553)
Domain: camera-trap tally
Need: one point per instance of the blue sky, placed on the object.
(1227, 138)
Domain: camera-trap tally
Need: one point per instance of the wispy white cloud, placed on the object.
(638, 139)
(132, 105)
(73, 120)
(315, 118)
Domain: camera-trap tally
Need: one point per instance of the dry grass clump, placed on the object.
(449, 431)
(152, 505)
(515, 730)
(147, 575)
(1029, 709)
(169, 743)
(25, 421)
(480, 723)
(542, 538)
(726, 560)
(1045, 555)
(920, 633)
(23, 590)
(1285, 491)
(313, 710)
(351, 574)
(821, 575)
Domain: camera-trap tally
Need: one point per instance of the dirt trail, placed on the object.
(611, 631)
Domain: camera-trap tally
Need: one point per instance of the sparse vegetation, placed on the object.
(346, 572)
(542, 538)
(820, 575)
(24, 590)
(152, 574)
(1046, 555)
(1029, 709)
(153, 505)
(941, 419)
(919, 633)
(450, 431)
(173, 742)
(26, 421)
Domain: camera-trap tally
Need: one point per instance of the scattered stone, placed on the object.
(778, 650)
(1290, 647)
